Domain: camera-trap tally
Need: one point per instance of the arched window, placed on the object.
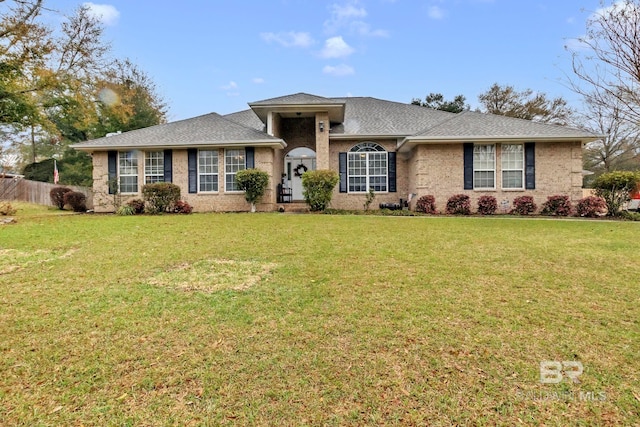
(367, 168)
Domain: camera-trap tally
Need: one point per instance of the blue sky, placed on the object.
(210, 56)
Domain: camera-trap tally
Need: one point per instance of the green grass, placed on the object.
(272, 319)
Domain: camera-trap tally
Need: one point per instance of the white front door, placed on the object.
(295, 167)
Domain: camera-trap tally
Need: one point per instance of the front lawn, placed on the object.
(279, 319)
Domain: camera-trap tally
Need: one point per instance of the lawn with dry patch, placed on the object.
(270, 319)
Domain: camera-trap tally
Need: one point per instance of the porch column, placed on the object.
(322, 140)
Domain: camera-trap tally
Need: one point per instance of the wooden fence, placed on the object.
(16, 188)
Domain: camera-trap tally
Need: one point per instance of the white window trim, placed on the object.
(137, 174)
(227, 173)
(485, 170)
(367, 176)
(146, 172)
(502, 169)
(217, 174)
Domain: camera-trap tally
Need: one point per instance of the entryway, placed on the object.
(296, 162)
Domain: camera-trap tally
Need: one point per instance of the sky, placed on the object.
(219, 55)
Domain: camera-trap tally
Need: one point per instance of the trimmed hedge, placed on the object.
(426, 204)
(523, 205)
(487, 205)
(459, 204)
(557, 206)
(160, 197)
(77, 201)
(591, 207)
(318, 188)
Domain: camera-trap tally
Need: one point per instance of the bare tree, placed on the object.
(607, 61)
(618, 150)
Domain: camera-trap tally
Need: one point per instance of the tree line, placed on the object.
(61, 86)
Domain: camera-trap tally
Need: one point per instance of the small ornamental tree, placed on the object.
(254, 184)
(459, 205)
(426, 204)
(160, 197)
(557, 206)
(318, 188)
(616, 188)
(487, 205)
(57, 196)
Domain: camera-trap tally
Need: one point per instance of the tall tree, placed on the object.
(436, 101)
(507, 101)
(619, 149)
(607, 62)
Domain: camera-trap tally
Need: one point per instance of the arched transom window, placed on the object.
(367, 168)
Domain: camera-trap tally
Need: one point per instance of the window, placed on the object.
(208, 170)
(512, 161)
(484, 166)
(128, 171)
(367, 168)
(234, 161)
(153, 167)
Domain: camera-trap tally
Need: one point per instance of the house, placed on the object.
(396, 149)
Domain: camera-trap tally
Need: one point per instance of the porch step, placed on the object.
(295, 207)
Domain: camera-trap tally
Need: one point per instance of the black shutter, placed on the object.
(392, 172)
(112, 166)
(530, 166)
(468, 165)
(342, 167)
(192, 167)
(168, 166)
(250, 157)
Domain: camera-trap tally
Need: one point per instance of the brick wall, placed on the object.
(438, 170)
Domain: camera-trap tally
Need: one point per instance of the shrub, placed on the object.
(426, 204)
(137, 205)
(523, 205)
(254, 183)
(616, 188)
(160, 197)
(182, 207)
(557, 206)
(371, 195)
(487, 205)
(57, 196)
(591, 207)
(7, 209)
(318, 188)
(630, 216)
(459, 205)
(77, 201)
(126, 210)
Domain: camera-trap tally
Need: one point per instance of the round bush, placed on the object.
(557, 206)
(459, 205)
(426, 204)
(160, 197)
(77, 201)
(487, 205)
(591, 207)
(523, 205)
(57, 196)
(318, 188)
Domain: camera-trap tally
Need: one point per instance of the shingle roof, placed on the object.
(296, 98)
(371, 116)
(247, 118)
(209, 129)
(471, 124)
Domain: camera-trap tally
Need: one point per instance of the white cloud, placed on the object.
(106, 13)
(257, 80)
(231, 85)
(339, 70)
(289, 39)
(350, 16)
(336, 47)
(435, 12)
